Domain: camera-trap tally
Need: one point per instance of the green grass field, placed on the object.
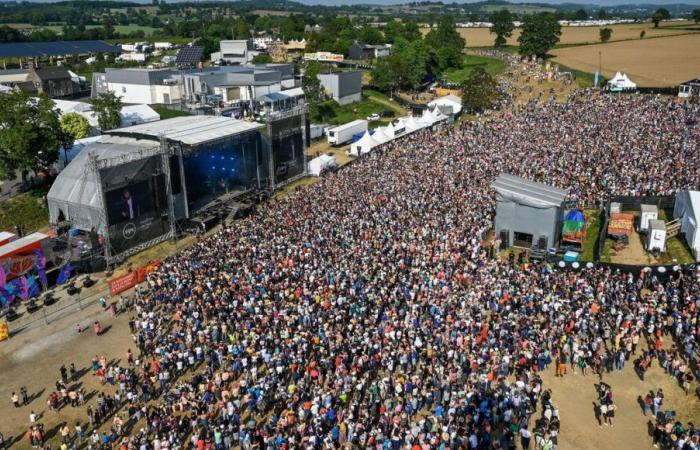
(166, 113)
(27, 210)
(592, 234)
(373, 102)
(471, 62)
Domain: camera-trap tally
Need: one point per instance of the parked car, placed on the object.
(373, 117)
(388, 113)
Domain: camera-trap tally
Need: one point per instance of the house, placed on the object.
(528, 214)
(360, 51)
(54, 81)
(690, 88)
(240, 52)
(343, 87)
(143, 86)
(16, 79)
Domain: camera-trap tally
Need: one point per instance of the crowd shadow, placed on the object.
(35, 396)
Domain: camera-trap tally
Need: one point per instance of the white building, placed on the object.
(145, 86)
(235, 52)
(343, 87)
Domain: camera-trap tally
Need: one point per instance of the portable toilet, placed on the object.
(649, 212)
(656, 237)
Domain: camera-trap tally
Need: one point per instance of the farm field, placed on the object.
(480, 37)
(651, 63)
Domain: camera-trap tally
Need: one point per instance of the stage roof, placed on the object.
(59, 48)
(528, 192)
(190, 130)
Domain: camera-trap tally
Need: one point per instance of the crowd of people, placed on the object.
(367, 311)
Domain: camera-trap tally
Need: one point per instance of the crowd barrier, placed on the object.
(125, 282)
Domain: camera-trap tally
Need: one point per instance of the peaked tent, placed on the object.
(621, 82)
(364, 145)
(380, 135)
(390, 131)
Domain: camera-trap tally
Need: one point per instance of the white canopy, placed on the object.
(687, 211)
(451, 101)
(390, 131)
(380, 136)
(363, 145)
(412, 125)
(621, 82)
(320, 163)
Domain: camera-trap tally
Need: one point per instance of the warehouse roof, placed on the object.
(528, 192)
(32, 49)
(190, 130)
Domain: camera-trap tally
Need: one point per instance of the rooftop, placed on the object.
(538, 194)
(59, 48)
(190, 130)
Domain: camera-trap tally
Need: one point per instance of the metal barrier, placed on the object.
(49, 314)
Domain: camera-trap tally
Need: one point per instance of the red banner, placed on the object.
(123, 282)
(131, 279)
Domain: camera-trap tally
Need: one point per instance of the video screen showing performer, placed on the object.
(137, 209)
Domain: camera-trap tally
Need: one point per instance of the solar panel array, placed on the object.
(189, 56)
(59, 48)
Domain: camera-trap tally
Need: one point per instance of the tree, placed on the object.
(311, 84)
(445, 35)
(262, 58)
(605, 34)
(502, 26)
(581, 14)
(388, 73)
(30, 134)
(75, 125)
(479, 91)
(107, 107)
(696, 15)
(415, 56)
(540, 32)
(602, 14)
(659, 15)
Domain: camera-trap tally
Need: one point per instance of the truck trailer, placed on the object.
(343, 133)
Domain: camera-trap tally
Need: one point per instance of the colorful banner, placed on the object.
(4, 331)
(131, 279)
(123, 283)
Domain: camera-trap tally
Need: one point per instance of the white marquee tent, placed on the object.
(364, 145)
(321, 163)
(621, 82)
(380, 135)
(687, 211)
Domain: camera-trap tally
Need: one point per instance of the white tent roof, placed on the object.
(321, 162)
(75, 191)
(380, 135)
(191, 130)
(621, 81)
(448, 100)
(389, 130)
(363, 145)
(412, 124)
(131, 114)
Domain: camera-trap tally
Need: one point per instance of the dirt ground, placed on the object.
(634, 253)
(480, 37)
(659, 62)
